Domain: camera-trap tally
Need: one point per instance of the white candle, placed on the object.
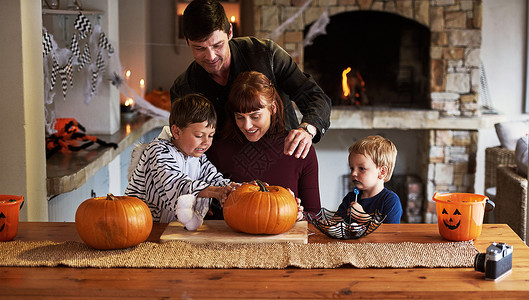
(142, 88)
(127, 76)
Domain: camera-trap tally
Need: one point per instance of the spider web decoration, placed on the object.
(484, 93)
(276, 33)
(350, 227)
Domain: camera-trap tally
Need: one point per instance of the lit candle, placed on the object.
(142, 88)
(233, 26)
(127, 106)
(129, 102)
(127, 76)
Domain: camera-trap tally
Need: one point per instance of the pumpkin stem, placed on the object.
(262, 187)
(111, 197)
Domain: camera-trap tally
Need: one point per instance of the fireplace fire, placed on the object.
(353, 88)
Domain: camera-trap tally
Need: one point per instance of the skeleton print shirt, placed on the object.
(163, 174)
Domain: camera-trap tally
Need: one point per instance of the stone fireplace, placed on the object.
(372, 58)
(447, 79)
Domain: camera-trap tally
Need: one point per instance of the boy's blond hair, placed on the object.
(381, 150)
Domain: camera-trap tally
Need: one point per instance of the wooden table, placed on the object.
(345, 282)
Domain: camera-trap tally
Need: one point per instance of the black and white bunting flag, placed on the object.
(83, 25)
(93, 87)
(64, 80)
(54, 70)
(69, 69)
(75, 47)
(66, 76)
(47, 46)
(104, 43)
(100, 63)
(85, 58)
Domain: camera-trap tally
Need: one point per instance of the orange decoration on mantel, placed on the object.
(160, 99)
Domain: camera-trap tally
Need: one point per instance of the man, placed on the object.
(219, 58)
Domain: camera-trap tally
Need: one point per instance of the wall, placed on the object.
(169, 57)
(133, 38)
(503, 52)
(22, 159)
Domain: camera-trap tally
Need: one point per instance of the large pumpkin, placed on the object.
(113, 222)
(260, 209)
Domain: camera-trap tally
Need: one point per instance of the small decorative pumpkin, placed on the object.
(260, 209)
(113, 222)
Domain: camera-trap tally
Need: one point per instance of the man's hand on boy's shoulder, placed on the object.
(298, 141)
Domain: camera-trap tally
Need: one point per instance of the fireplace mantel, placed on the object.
(345, 117)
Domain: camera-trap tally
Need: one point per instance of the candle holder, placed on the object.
(126, 108)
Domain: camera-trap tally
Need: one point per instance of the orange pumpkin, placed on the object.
(113, 222)
(9, 213)
(260, 209)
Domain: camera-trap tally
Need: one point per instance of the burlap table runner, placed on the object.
(178, 254)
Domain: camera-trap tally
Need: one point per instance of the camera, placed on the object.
(495, 262)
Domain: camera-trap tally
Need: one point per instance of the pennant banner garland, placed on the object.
(59, 62)
(82, 24)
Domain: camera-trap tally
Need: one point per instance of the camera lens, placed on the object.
(479, 262)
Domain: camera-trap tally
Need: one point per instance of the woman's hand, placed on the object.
(300, 210)
(300, 207)
(297, 143)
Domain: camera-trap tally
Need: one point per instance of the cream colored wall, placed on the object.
(169, 57)
(133, 40)
(22, 159)
(503, 51)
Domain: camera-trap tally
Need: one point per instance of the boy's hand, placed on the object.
(357, 212)
(219, 192)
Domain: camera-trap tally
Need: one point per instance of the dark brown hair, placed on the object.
(203, 17)
(192, 108)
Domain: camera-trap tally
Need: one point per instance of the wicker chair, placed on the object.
(494, 157)
(511, 200)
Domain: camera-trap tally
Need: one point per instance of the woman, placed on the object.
(252, 143)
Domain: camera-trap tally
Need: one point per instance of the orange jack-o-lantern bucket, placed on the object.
(460, 215)
(9, 212)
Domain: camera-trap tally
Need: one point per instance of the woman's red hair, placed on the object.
(249, 92)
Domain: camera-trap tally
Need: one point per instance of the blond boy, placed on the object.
(372, 160)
